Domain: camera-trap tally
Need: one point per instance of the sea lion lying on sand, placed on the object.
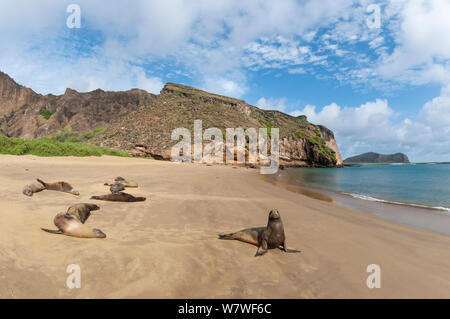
(82, 211)
(70, 226)
(264, 238)
(122, 181)
(119, 197)
(59, 186)
(32, 188)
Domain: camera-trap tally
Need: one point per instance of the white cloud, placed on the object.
(423, 44)
(150, 84)
(436, 112)
(205, 38)
(298, 70)
(374, 126)
(224, 86)
(272, 104)
(375, 43)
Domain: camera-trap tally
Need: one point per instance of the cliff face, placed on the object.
(301, 143)
(371, 157)
(20, 109)
(141, 123)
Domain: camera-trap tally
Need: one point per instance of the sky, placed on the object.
(377, 73)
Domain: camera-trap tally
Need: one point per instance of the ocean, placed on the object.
(424, 185)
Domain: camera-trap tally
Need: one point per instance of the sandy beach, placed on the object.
(167, 246)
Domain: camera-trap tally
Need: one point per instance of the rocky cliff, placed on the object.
(141, 123)
(21, 109)
(147, 131)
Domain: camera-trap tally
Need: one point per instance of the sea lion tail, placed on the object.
(140, 199)
(59, 231)
(95, 197)
(40, 181)
(226, 236)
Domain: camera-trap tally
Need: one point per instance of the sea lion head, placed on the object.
(68, 188)
(98, 233)
(274, 214)
(115, 188)
(93, 207)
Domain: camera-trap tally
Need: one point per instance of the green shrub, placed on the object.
(51, 147)
(46, 113)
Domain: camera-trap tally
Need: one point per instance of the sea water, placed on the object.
(414, 184)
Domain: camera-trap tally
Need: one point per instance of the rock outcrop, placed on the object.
(371, 157)
(21, 107)
(147, 131)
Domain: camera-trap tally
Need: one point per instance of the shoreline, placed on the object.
(435, 219)
(168, 246)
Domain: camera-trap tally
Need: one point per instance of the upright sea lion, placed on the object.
(32, 188)
(115, 188)
(59, 186)
(122, 181)
(119, 197)
(82, 211)
(71, 226)
(264, 238)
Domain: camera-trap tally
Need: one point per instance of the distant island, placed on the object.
(372, 157)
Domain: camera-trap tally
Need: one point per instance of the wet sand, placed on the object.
(167, 246)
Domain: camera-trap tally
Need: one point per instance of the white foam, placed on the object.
(373, 199)
(442, 208)
(365, 197)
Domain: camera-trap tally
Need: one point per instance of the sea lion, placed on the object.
(119, 197)
(32, 188)
(122, 181)
(70, 226)
(115, 188)
(82, 211)
(264, 238)
(59, 186)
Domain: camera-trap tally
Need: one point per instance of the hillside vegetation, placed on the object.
(51, 147)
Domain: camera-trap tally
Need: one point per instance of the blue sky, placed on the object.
(380, 87)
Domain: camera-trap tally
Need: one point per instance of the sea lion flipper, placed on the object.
(226, 236)
(40, 181)
(59, 231)
(260, 252)
(262, 249)
(285, 249)
(292, 251)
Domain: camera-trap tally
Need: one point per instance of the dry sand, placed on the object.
(167, 246)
